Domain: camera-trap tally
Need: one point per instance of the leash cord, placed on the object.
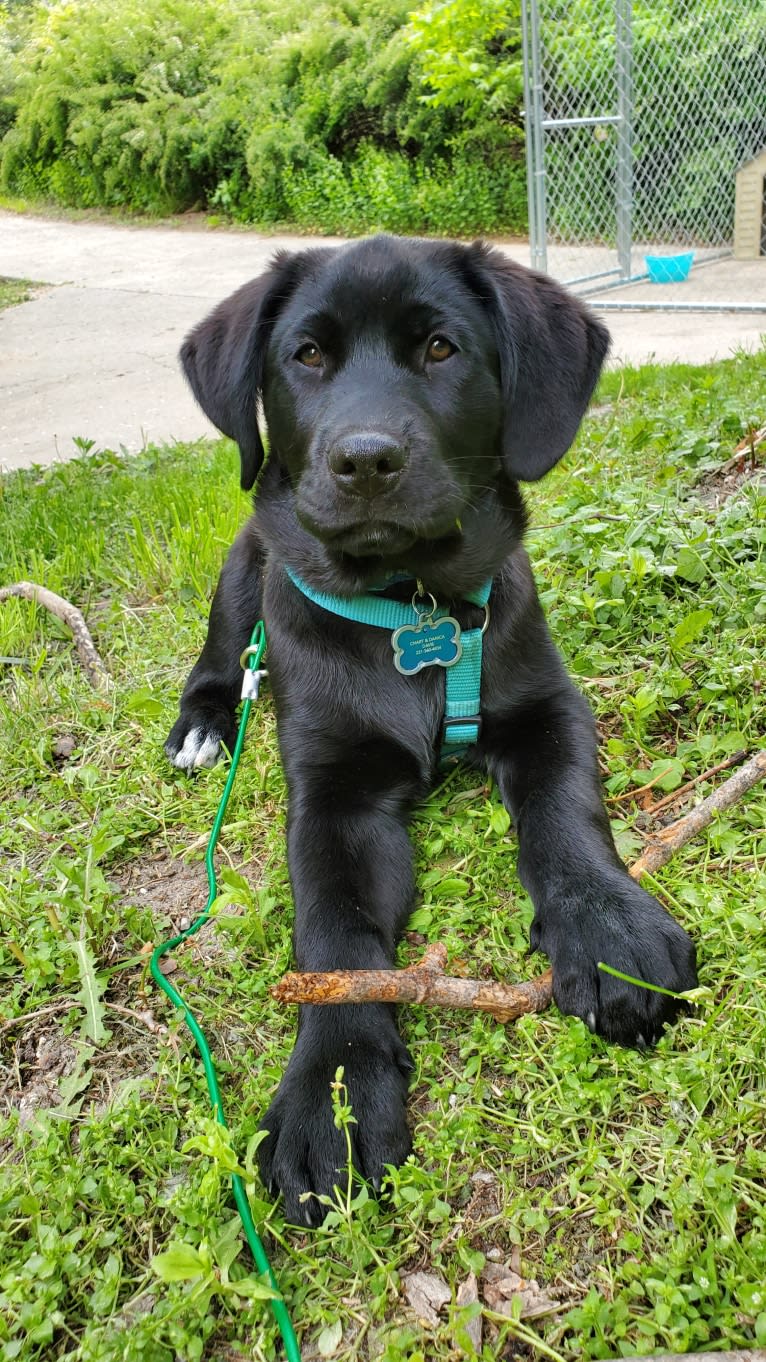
(254, 654)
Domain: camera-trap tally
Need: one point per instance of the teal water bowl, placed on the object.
(669, 269)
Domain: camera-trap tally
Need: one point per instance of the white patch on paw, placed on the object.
(591, 1021)
(198, 750)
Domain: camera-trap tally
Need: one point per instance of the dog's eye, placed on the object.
(310, 355)
(439, 348)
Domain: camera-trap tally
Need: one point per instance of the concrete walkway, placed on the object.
(95, 356)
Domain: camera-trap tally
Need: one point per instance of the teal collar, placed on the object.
(462, 706)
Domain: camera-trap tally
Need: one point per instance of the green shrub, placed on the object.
(378, 190)
(348, 115)
(108, 107)
(310, 114)
(470, 53)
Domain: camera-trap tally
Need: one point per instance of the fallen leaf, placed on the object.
(469, 1328)
(63, 747)
(329, 1339)
(501, 1284)
(426, 1293)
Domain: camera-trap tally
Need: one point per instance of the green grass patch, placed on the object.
(631, 1186)
(14, 291)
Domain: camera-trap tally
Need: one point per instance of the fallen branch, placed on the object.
(664, 844)
(64, 610)
(62, 1005)
(426, 982)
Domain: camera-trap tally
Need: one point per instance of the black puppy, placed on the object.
(407, 387)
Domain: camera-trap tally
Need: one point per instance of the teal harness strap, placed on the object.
(462, 718)
(462, 707)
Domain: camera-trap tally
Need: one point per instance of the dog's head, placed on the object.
(403, 382)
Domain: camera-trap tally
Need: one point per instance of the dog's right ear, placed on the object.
(223, 357)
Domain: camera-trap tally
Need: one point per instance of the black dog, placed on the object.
(407, 387)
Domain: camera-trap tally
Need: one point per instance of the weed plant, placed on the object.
(13, 291)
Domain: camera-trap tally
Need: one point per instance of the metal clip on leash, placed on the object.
(254, 674)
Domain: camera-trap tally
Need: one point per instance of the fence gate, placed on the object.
(646, 135)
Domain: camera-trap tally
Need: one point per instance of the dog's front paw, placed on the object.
(198, 737)
(613, 921)
(303, 1151)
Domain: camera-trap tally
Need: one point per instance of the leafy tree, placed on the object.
(470, 55)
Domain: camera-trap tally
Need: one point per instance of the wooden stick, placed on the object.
(64, 610)
(665, 843)
(61, 1006)
(736, 759)
(426, 982)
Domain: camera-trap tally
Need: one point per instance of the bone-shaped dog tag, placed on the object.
(429, 643)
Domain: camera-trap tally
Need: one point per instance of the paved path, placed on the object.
(95, 356)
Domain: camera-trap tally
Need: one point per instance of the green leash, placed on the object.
(251, 659)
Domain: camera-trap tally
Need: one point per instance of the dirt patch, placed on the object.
(39, 1059)
(746, 466)
(177, 892)
(46, 1066)
(173, 888)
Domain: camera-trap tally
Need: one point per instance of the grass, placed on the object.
(13, 291)
(632, 1187)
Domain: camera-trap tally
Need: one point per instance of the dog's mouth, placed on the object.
(371, 541)
(371, 537)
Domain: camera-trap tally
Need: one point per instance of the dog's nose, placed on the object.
(366, 463)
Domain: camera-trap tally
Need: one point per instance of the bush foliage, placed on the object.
(324, 115)
(352, 115)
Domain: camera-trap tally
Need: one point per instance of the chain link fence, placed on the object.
(640, 114)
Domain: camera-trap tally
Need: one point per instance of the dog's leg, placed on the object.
(351, 869)
(207, 720)
(587, 908)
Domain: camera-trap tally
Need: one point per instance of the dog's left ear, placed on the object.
(551, 350)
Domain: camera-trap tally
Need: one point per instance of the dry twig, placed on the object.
(665, 843)
(64, 610)
(736, 759)
(426, 982)
(24, 1018)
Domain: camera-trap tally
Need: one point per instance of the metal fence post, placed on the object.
(624, 81)
(533, 102)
